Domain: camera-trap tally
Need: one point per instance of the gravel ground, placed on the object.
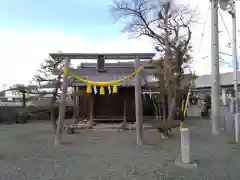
(27, 153)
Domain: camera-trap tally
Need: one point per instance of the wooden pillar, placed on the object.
(91, 110)
(124, 124)
(125, 110)
(138, 105)
(62, 109)
(77, 102)
(75, 107)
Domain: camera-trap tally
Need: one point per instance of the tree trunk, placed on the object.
(163, 107)
(168, 115)
(53, 118)
(165, 118)
(159, 110)
(172, 108)
(155, 104)
(172, 112)
(24, 99)
(163, 130)
(169, 101)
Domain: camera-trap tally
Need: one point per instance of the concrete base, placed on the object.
(192, 165)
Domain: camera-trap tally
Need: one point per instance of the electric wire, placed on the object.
(224, 23)
(203, 31)
(220, 13)
(222, 61)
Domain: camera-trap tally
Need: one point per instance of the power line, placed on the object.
(230, 37)
(223, 53)
(203, 32)
(224, 23)
(204, 26)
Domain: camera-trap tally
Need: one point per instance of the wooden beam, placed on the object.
(138, 105)
(62, 108)
(108, 56)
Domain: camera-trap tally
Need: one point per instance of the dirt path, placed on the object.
(27, 153)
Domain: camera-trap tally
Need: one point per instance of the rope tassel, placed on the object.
(89, 89)
(95, 90)
(115, 89)
(109, 90)
(102, 90)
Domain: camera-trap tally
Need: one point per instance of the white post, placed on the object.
(235, 69)
(215, 91)
(138, 105)
(185, 160)
(61, 116)
(224, 97)
(185, 146)
(232, 104)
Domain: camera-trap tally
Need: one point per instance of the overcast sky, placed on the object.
(29, 30)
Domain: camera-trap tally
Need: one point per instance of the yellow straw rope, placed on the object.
(185, 107)
(93, 83)
(188, 96)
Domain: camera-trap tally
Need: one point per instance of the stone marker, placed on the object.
(185, 146)
(185, 160)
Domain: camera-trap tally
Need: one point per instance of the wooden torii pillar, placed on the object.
(62, 109)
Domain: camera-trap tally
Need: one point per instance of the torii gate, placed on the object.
(86, 56)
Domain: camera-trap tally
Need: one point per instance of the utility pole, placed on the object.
(138, 105)
(232, 12)
(230, 6)
(215, 90)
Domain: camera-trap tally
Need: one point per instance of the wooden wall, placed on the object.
(108, 106)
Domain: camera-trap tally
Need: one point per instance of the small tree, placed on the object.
(23, 90)
(49, 77)
(169, 26)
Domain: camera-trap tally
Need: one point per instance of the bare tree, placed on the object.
(169, 25)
